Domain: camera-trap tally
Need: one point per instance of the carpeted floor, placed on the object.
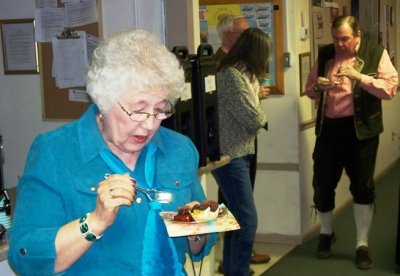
(382, 243)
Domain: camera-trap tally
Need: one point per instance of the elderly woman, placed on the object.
(77, 211)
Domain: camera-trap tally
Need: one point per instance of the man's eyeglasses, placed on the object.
(140, 116)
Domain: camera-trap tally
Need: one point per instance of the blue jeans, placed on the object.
(234, 181)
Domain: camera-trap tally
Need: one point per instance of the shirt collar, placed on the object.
(90, 139)
(357, 46)
(158, 141)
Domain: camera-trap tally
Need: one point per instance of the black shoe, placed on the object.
(363, 259)
(220, 268)
(324, 245)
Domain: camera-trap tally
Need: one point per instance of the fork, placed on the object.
(152, 194)
(155, 195)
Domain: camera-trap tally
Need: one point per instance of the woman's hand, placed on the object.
(116, 190)
(263, 93)
(112, 192)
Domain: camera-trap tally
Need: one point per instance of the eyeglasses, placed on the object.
(140, 116)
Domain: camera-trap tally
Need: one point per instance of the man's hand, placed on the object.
(323, 84)
(349, 72)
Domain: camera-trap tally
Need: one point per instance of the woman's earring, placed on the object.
(101, 116)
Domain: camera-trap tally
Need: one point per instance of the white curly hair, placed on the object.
(133, 59)
(225, 23)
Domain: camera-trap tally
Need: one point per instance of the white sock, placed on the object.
(326, 219)
(363, 218)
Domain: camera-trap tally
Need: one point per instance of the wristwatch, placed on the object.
(196, 238)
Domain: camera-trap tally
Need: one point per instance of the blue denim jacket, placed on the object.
(59, 183)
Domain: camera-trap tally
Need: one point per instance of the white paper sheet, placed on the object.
(92, 43)
(78, 95)
(70, 63)
(80, 13)
(49, 22)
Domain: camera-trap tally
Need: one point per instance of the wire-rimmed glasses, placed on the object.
(140, 116)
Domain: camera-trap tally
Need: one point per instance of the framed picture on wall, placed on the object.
(19, 47)
(334, 13)
(318, 23)
(345, 10)
(305, 67)
(317, 3)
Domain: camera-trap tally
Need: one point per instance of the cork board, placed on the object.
(55, 102)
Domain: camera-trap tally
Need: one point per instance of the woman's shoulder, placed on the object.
(172, 138)
(61, 134)
(85, 126)
(176, 145)
(230, 70)
(231, 75)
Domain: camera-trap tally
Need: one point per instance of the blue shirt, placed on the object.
(59, 184)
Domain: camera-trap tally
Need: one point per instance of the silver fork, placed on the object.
(155, 195)
(152, 194)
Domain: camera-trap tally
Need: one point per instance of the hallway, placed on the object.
(382, 240)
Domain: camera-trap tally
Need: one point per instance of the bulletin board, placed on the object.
(213, 8)
(55, 101)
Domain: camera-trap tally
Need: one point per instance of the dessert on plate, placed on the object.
(208, 210)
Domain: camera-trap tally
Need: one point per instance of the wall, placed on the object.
(140, 14)
(20, 104)
(124, 10)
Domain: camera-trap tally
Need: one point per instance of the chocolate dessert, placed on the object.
(184, 213)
